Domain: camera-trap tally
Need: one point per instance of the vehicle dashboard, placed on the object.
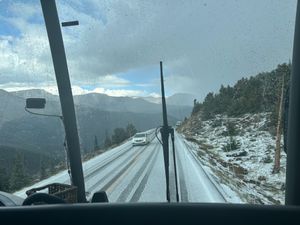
(151, 213)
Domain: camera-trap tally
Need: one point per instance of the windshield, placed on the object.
(226, 69)
(140, 135)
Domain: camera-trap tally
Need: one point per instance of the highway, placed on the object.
(136, 174)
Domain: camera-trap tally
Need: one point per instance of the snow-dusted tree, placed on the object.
(278, 131)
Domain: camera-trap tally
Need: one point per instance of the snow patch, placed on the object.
(245, 169)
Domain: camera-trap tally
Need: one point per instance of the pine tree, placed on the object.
(43, 172)
(4, 180)
(278, 132)
(197, 107)
(249, 95)
(208, 106)
(232, 143)
(52, 166)
(131, 130)
(96, 145)
(119, 135)
(18, 177)
(107, 141)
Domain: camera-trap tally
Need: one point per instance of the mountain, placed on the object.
(46, 134)
(97, 115)
(11, 107)
(156, 100)
(127, 104)
(181, 99)
(36, 93)
(116, 104)
(178, 105)
(39, 140)
(178, 99)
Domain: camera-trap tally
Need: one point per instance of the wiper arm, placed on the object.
(165, 131)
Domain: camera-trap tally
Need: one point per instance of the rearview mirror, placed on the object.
(35, 103)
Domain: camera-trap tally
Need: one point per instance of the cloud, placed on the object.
(120, 92)
(77, 90)
(203, 45)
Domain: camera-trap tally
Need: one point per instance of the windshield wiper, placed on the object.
(165, 131)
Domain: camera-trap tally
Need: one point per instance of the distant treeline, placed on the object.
(256, 94)
(22, 167)
(119, 135)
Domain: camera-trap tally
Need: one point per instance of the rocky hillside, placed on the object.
(239, 153)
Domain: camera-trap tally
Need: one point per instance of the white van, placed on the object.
(140, 139)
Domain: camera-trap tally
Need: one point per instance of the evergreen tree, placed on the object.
(232, 143)
(197, 107)
(278, 133)
(107, 141)
(96, 146)
(43, 168)
(4, 180)
(248, 95)
(118, 136)
(18, 177)
(52, 166)
(208, 106)
(231, 129)
(131, 130)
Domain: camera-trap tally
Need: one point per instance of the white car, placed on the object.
(178, 123)
(140, 139)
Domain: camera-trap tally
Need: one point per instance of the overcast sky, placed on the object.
(117, 47)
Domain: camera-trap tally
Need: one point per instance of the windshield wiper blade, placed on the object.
(165, 131)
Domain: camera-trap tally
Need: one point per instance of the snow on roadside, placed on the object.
(246, 170)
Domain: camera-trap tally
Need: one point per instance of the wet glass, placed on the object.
(226, 68)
